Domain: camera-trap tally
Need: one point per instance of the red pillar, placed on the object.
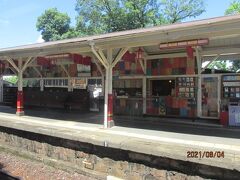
(110, 109)
(20, 110)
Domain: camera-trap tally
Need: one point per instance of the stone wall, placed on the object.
(109, 161)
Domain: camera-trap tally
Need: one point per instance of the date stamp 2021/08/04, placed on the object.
(205, 154)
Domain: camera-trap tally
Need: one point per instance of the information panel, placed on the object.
(234, 115)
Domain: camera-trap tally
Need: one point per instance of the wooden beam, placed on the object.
(65, 70)
(119, 56)
(142, 65)
(97, 55)
(13, 70)
(98, 66)
(145, 66)
(168, 55)
(210, 62)
(20, 75)
(44, 51)
(28, 62)
(221, 50)
(103, 56)
(38, 72)
(10, 60)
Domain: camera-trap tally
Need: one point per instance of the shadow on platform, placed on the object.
(206, 127)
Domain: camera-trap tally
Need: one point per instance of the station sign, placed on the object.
(79, 83)
(184, 44)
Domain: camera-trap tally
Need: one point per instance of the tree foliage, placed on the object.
(54, 25)
(178, 10)
(11, 79)
(221, 65)
(100, 16)
(103, 16)
(235, 65)
(234, 8)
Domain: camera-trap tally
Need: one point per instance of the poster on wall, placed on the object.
(79, 83)
(234, 115)
(83, 70)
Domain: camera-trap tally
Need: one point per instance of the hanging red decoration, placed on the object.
(53, 62)
(129, 56)
(87, 61)
(139, 54)
(42, 61)
(2, 67)
(77, 58)
(190, 52)
(52, 59)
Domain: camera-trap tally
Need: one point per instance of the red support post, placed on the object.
(20, 106)
(110, 108)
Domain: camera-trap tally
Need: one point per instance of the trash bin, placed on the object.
(224, 118)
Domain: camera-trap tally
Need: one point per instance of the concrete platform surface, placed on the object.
(159, 143)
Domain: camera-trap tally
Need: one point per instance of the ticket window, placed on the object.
(163, 87)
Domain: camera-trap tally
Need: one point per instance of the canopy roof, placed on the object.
(209, 28)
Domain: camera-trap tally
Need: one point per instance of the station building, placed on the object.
(159, 71)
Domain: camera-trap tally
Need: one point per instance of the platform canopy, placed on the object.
(221, 32)
(208, 40)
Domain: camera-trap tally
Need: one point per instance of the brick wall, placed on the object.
(110, 161)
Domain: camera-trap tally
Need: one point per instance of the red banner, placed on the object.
(52, 59)
(129, 56)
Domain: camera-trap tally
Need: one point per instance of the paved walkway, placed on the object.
(160, 143)
(185, 126)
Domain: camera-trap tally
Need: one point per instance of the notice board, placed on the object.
(234, 115)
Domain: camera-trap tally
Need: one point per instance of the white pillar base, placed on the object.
(20, 113)
(110, 124)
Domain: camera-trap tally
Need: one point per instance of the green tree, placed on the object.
(11, 79)
(235, 65)
(234, 8)
(221, 65)
(178, 10)
(101, 16)
(55, 25)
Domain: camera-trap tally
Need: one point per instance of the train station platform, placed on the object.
(217, 151)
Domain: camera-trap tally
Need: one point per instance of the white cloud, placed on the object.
(40, 39)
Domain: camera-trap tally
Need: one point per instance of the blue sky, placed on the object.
(18, 17)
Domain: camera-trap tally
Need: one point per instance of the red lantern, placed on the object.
(190, 52)
(53, 61)
(139, 54)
